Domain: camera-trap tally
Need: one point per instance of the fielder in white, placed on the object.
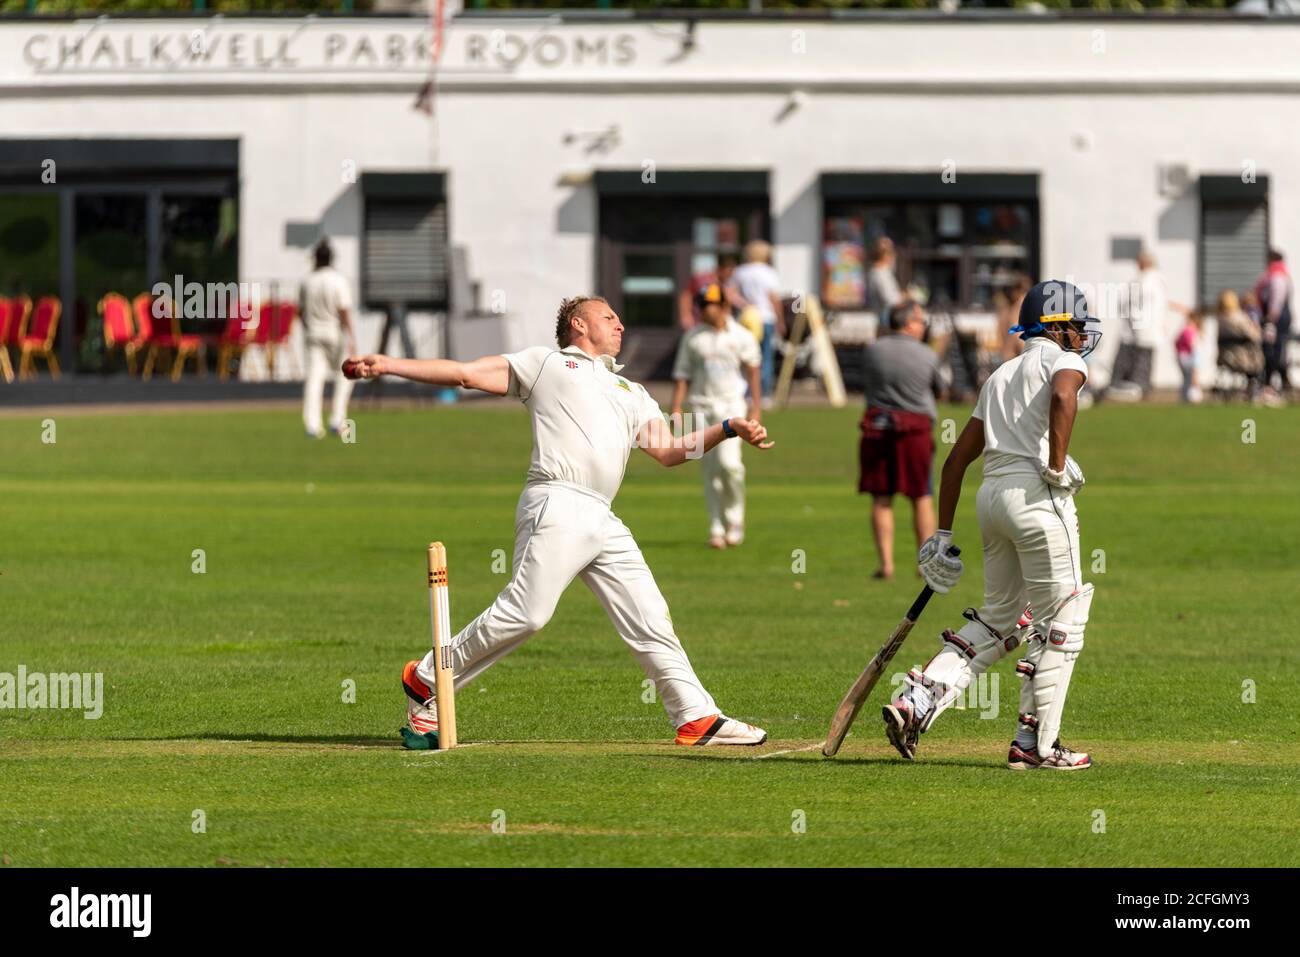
(1033, 586)
(327, 320)
(715, 361)
(586, 419)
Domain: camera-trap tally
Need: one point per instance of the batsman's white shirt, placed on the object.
(1030, 531)
(1014, 406)
(585, 420)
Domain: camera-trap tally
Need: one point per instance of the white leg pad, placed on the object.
(1054, 652)
(965, 654)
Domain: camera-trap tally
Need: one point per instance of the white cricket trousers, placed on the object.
(325, 361)
(1030, 534)
(563, 531)
(722, 471)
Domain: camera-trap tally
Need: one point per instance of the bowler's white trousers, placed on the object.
(563, 531)
(722, 470)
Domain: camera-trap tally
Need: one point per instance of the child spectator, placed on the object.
(1188, 347)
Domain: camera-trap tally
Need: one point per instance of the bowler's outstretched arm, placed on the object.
(488, 374)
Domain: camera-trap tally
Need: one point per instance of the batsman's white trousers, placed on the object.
(563, 531)
(1030, 534)
(722, 470)
(325, 360)
(1031, 547)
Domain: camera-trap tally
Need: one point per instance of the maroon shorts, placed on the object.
(896, 453)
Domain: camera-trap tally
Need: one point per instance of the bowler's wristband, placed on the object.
(727, 431)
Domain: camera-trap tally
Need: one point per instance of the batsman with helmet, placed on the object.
(1033, 587)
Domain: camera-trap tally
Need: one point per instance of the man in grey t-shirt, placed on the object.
(903, 377)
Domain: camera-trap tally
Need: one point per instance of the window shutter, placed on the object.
(1234, 246)
(406, 256)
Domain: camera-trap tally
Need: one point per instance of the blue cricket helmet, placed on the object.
(1053, 302)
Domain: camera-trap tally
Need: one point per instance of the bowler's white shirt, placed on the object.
(712, 360)
(1015, 403)
(324, 293)
(586, 416)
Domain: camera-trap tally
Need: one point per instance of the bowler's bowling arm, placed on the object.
(489, 374)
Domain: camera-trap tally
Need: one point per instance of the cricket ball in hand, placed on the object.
(352, 369)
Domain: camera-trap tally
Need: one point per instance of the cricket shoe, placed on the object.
(1061, 759)
(719, 729)
(421, 730)
(901, 727)
(735, 535)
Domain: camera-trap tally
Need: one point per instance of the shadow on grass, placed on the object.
(807, 758)
(390, 741)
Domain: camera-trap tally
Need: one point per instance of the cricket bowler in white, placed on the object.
(586, 419)
(715, 361)
(1033, 586)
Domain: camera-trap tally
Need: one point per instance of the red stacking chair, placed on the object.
(115, 312)
(233, 339)
(6, 309)
(282, 318)
(142, 311)
(165, 336)
(39, 341)
(20, 310)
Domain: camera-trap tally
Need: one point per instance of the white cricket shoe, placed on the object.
(902, 727)
(735, 535)
(719, 729)
(1061, 759)
(421, 709)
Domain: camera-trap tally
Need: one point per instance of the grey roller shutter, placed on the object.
(1234, 247)
(405, 256)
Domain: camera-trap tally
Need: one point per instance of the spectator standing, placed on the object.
(1188, 348)
(327, 319)
(688, 313)
(1273, 289)
(903, 376)
(883, 292)
(758, 285)
(1144, 328)
(1007, 308)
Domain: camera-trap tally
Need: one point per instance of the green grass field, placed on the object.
(224, 691)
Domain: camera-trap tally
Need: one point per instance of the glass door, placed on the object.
(111, 255)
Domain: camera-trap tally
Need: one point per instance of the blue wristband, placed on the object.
(727, 431)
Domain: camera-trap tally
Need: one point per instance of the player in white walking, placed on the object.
(715, 361)
(586, 418)
(327, 319)
(1021, 424)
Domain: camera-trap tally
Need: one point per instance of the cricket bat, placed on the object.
(857, 696)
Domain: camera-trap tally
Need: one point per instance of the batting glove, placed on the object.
(1069, 479)
(940, 569)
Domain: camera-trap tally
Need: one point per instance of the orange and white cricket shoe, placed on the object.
(421, 712)
(719, 729)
